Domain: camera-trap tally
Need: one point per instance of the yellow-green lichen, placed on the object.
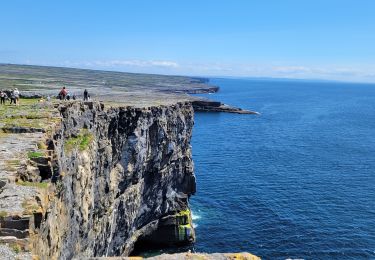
(3, 214)
(184, 224)
(42, 146)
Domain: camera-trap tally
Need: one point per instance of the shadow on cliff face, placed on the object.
(148, 249)
(174, 233)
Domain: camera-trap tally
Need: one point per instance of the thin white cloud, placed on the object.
(136, 63)
(365, 73)
(292, 69)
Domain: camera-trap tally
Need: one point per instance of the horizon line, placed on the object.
(199, 76)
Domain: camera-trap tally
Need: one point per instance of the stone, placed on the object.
(124, 184)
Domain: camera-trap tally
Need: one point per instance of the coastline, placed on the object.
(127, 151)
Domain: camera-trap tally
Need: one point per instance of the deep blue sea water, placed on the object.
(297, 181)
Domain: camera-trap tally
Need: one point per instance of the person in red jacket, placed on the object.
(63, 93)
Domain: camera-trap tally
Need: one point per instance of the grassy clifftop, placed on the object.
(132, 88)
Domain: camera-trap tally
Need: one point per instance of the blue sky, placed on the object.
(320, 39)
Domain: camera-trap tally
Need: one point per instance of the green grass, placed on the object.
(81, 142)
(33, 155)
(40, 185)
(22, 122)
(29, 114)
(16, 248)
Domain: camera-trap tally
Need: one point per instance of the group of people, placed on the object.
(65, 95)
(14, 97)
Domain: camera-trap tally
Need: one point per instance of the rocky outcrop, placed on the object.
(24, 164)
(206, 90)
(206, 105)
(88, 179)
(124, 175)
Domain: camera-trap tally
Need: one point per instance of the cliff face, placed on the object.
(121, 175)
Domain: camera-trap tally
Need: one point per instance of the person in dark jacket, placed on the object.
(85, 95)
(3, 96)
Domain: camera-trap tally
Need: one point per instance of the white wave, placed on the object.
(195, 216)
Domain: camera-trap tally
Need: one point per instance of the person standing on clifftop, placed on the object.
(16, 96)
(13, 99)
(3, 96)
(63, 93)
(85, 95)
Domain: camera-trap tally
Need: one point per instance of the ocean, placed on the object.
(298, 181)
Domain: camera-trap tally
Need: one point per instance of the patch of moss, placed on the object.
(16, 248)
(185, 212)
(42, 146)
(29, 101)
(184, 223)
(41, 185)
(3, 214)
(81, 142)
(34, 155)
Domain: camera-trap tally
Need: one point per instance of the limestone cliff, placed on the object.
(122, 174)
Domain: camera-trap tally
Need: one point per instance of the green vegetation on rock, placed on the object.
(184, 223)
(41, 185)
(29, 114)
(33, 155)
(16, 248)
(81, 142)
(42, 146)
(3, 214)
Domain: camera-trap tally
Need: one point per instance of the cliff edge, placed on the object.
(102, 179)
